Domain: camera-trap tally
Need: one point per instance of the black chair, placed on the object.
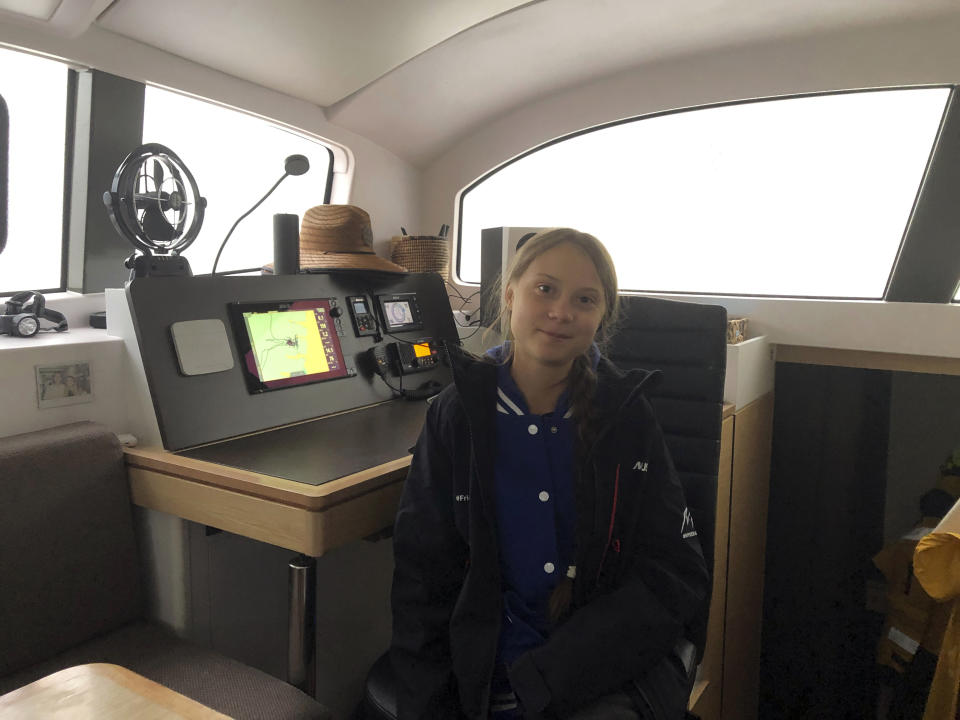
(687, 342)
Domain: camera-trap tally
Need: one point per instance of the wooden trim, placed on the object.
(312, 532)
(697, 696)
(287, 492)
(868, 360)
(728, 410)
(749, 493)
(105, 691)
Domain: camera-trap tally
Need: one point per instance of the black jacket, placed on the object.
(641, 581)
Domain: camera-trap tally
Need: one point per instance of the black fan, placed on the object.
(155, 204)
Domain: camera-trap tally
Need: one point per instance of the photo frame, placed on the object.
(65, 384)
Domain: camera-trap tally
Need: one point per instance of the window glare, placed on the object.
(802, 196)
(35, 91)
(235, 158)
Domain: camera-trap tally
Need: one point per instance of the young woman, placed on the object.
(546, 564)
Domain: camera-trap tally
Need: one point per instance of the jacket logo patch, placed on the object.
(462, 498)
(641, 466)
(687, 530)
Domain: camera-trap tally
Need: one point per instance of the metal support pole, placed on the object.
(302, 638)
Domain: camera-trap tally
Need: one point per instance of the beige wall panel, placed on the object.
(710, 686)
(750, 489)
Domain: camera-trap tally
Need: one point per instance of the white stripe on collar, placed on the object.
(568, 414)
(502, 409)
(508, 402)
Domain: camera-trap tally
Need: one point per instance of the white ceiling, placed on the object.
(543, 48)
(415, 76)
(317, 50)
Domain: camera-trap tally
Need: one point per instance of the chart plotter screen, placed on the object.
(285, 344)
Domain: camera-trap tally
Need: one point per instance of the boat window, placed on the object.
(35, 92)
(804, 196)
(235, 158)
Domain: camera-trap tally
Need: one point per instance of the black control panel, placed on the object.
(273, 350)
(364, 321)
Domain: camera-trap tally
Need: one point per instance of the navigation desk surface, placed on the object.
(308, 487)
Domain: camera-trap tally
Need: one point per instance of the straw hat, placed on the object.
(339, 236)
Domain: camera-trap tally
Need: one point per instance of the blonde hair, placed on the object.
(582, 381)
(546, 240)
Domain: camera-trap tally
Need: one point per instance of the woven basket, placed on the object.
(421, 253)
(736, 330)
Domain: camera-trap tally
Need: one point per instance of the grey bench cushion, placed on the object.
(216, 681)
(68, 557)
(70, 589)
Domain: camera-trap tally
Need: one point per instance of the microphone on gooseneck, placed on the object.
(4, 139)
(293, 165)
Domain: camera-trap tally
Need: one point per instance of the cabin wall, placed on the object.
(884, 55)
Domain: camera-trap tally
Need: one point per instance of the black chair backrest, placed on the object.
(688, 343)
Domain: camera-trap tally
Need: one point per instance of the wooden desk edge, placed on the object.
(868, 359)
(312, 532)
(288, 492)
(153, 692)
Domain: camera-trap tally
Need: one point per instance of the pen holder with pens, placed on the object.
(421, 253)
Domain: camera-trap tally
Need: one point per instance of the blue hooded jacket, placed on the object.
(641, 582)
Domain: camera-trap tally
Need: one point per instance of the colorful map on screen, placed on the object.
(290, 343)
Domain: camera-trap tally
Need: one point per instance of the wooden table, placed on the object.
(309, 487)
(309, 519)
(100, 692)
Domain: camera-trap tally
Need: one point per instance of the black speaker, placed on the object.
(286, 244)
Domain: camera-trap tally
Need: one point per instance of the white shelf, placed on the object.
(73, 336)
(750, 369)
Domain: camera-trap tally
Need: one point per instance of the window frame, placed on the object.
(903, 292)
(68, 159)
(91, 258)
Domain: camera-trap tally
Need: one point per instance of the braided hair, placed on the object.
(582, 379)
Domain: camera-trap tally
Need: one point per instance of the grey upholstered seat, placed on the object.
(71, 588)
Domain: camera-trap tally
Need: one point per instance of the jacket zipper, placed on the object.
(613, 514)
(596, 475)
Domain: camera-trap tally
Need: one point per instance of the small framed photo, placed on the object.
(59, 385)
